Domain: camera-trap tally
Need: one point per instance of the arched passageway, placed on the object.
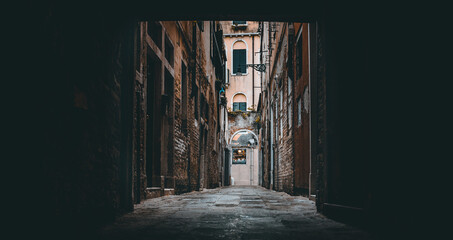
(244, 158)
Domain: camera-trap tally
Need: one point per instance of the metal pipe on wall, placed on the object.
(253, 72)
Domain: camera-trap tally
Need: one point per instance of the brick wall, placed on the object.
(285, 158)
(188, 151)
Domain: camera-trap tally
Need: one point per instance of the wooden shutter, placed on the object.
(243, 106)
(235, 106)
(239, 60)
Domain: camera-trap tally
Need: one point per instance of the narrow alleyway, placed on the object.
(229, 213)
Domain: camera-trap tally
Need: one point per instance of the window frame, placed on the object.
(290, 105)
(235, 72)
(235, 23)
(246, 57)
(233, 102)
(233, 156)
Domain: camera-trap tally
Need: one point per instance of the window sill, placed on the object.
(238, 75)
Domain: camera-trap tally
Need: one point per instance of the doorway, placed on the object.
(153, 123)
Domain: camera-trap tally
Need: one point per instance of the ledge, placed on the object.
(347, 214)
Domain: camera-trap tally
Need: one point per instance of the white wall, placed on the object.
(241, 172)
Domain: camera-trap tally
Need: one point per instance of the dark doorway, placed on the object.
(168, 131)
(153, 123)
(227, 167)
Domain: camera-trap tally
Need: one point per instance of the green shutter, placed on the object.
(239, 60)
(243, 106)
(235, 106)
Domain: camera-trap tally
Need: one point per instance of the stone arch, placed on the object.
(235, 141)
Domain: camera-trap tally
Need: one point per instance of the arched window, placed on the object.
(239, 102)
(239, 57)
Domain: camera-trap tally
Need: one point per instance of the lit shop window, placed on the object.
(239, 156)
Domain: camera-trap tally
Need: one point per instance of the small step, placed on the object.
(169, 191)
(153, 192)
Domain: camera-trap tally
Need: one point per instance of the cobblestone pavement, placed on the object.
(229, 213)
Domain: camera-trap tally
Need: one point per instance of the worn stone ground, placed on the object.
(229, 213)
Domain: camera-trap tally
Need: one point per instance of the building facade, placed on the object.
(178, 139)
(243, 88)
(307, 147)
(288, 126)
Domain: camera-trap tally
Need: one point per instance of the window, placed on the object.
(239, 102)
(290, 104)
(239, 156)
(155, 32)
(169, 51)
(290, 83)
(195, 95)
(306, 99)
(242, 106)
(276, 121)
(227, 78)
(290, 114)
(201, 25)
(184, 97)
(281, 113)
(239, 22)
(239, 61)
(299, 59)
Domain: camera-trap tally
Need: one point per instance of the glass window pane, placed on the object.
(239, 156)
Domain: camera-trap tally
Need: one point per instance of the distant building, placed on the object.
(242, 45)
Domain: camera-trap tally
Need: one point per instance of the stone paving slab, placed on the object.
(240, 212)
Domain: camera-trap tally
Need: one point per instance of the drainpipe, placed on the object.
(251, 166)
(253, 72)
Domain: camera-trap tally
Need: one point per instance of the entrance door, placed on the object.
(227, 168)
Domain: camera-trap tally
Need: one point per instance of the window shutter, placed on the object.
(239, 60)
(235, 106)
(243, 106)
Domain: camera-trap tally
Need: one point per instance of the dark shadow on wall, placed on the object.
(78, 70)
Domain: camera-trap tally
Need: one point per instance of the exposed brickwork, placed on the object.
(302, 126)
(190, 160)
(90, 109)
(283, 174)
